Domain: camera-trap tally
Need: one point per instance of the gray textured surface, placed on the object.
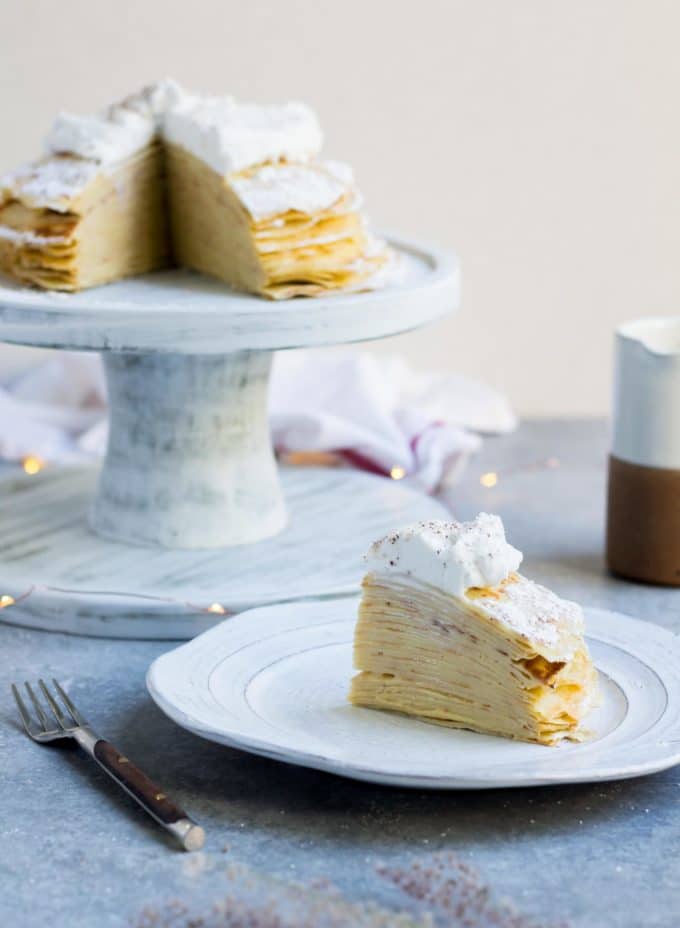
(76, 853)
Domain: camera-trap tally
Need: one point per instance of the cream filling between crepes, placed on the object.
(448, 660)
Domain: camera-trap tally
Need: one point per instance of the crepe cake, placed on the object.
(169, 178)
(450, 632)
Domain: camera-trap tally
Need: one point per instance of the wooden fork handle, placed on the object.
(149, 796)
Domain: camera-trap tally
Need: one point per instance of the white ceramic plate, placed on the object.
(273, 681)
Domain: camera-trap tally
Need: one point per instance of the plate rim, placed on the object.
(662, 637)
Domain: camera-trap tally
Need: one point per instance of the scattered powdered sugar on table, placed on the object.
(439, 891)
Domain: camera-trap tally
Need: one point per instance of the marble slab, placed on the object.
(63, 577)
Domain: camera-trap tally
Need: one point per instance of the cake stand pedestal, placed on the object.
(189, 462)
(162, 542)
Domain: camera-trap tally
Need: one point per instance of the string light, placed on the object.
(310, 459)
(215, 608)
(397, 473)
(491, 477)
(32, 464)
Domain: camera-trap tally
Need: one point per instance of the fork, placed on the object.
(71, 724)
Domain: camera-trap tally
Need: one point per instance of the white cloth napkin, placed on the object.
(375, 412)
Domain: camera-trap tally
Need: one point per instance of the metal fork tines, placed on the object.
(65, 728)
(71, 724)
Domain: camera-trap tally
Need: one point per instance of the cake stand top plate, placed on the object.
(187, 313)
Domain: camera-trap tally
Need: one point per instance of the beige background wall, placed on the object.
(540, 138)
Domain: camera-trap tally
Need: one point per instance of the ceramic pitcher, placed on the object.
(643, 513)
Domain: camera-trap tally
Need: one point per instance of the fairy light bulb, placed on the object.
(32, 464)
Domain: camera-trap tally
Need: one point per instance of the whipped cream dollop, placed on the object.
(121, 130)
(153, 101)
(98, 138)
(452, 556)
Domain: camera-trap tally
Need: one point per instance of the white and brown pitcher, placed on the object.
(643, 512)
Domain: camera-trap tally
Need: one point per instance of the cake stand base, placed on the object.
(56, 574)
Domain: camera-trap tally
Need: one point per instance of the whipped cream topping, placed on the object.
(231, 136)
(121, 130)
(98, 138)
(226, 135)
(51, 183)
(451, 556)
(268, 153)
(153, 101)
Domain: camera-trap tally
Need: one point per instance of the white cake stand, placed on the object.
(190, 482)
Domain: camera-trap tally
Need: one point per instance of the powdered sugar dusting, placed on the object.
(272, 190)
(393, 270)
(535, 613)
(51, 183)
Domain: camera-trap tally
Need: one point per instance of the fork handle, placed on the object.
(149, 796)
